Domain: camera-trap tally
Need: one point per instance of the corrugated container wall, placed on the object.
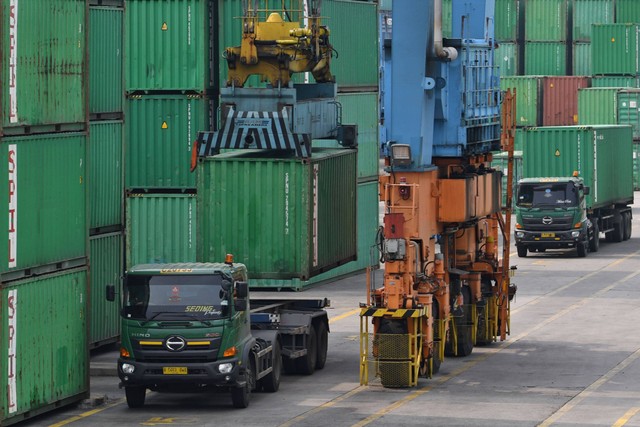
(615, 81)
(160, 135)
(588, 12)
(361, 109)
(105, 174)
(44, 71)
(636, 166)
(602, 155)
(307, 211)
(614, 49)
(160, 228)
(627, 11)
(45, 344)
(546, 20)
(528, 98)
(581, 59)
(44, 185)
(560, 99)
(545, 58)
(507, 58)
(611, 106)
(367, 228)
(106, 269)
(106, 92)
(507, 15)
(167, 45)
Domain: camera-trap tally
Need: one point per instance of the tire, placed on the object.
(618, 230)
(323, 344)
(630, 219)
(522, 251)
(594, 243)
(135, 396)
(306, 364)
(582, 249)
(240, 396)
(271, 382)
(626, 219)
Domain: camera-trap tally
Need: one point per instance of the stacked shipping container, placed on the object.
(546, 35)
(44, 260)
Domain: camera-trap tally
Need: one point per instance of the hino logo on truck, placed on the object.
(547, 220)
(13, 205)
(175, 343)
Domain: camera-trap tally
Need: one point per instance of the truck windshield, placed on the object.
(176, 297)
(539, 195)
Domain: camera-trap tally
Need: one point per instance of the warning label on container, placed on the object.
(12, 305)
(165, 125)
(164, 26)
(13, 61)
(13, 205)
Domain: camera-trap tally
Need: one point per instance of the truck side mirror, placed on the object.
(242, 289)
(586, 190)
(111, 293)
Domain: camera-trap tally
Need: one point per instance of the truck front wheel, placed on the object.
(594, 243)
(522, 251)
(582, 249)
(271, 382)
(240, 396)
(135, 396)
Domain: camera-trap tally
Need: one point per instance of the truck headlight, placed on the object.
(519, 234)
(575, 233)
(225, 368)
(128, 368)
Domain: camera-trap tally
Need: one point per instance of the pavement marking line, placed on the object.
(505, 344)
(344, 315)
(325, 405)
(87, 414)
(626, 417)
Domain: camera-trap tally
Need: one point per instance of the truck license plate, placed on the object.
(547, 235)
(174, 370)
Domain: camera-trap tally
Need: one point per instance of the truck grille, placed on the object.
(557, 224)
(195, 351)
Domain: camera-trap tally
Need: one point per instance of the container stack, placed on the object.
(44, 260)
(106, 160)
(508, 34)
(546, 35)
(584, 14)
(168, 84)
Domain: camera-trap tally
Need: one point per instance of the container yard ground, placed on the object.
(573, 358)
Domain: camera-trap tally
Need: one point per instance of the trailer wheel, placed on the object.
(306, 364)
(522, 251)
(135, 396)
(630, 222)
(626, 219)
(271, 382)
(323, 344)
(617, 235)
(594, 243)
(240, 396)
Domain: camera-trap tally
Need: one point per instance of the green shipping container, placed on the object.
(507, 58)
(582, 59)
(627, 11)
(636, 166)
(368, 223)
(546, 20)
(545, 58)
(610, 106)
(106, 269)
(106, 93)
(528, 98)
(353, 34)
(507, 15)
(614, 49)
(105, 174)
(44, 190)
(361, 109)
(588, 12)
(44, 344)
(500, 162)
(602, 155)
(281, 217)
(615, 81)
(160, 131)
(167, 45)
(160, 228)
(43, 71)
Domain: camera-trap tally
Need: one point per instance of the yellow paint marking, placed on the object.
(344, 315)
(323, 406)
(150, 342)
(86, 414)
(626, 417)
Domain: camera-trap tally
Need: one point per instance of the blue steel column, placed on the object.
(412, 106)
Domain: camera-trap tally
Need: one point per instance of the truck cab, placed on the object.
(551, 213)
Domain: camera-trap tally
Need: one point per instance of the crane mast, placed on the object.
(445, 288)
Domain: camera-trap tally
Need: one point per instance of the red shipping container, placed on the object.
(560, 99)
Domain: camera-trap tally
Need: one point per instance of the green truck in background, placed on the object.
(578, 183)
(193, 327)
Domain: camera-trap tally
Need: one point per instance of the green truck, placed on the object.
(578, 183)
(193, 327)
